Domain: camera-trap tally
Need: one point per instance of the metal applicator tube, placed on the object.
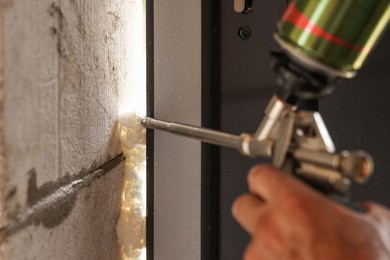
(244, 142)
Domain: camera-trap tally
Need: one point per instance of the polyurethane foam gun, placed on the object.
(322, 42)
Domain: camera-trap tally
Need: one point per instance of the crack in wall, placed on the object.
(56, 12)
(53, 202)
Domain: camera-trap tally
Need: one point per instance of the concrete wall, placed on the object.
(63, 75)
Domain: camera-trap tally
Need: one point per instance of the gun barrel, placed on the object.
(199, 133)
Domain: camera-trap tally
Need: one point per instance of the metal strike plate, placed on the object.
(242, 6)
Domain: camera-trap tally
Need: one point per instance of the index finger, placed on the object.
(268, 182)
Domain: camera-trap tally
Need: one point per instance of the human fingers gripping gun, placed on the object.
(322, 42)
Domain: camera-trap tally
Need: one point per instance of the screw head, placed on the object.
(245, 32)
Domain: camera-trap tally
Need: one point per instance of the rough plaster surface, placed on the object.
(31, 103)
(177, 160)
(61, 94)
(63, 78)
(4, 4)
(88, 233)
(2, 159)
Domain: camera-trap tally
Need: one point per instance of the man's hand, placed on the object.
(289, 220)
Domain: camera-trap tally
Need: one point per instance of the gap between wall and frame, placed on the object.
(210, 154)
(150, 133)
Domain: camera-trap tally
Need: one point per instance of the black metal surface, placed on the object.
(149, 133)
(247, 85)
(210, 118)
